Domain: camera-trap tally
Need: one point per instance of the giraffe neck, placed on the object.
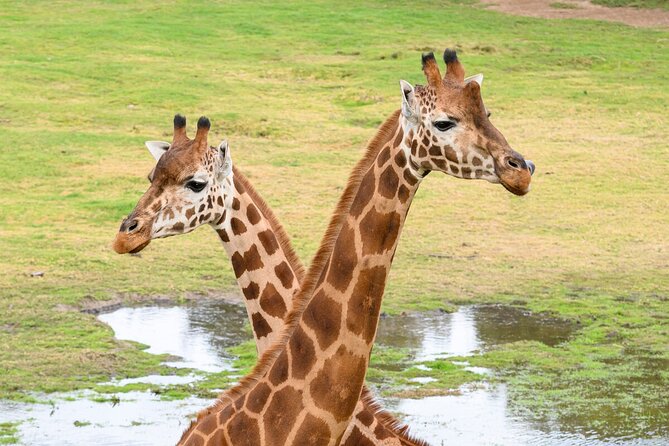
(330, 348)
(267, 270)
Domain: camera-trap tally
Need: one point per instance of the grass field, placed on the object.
(298, 88)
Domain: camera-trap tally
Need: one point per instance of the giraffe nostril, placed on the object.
(513, 163)
(530, 166)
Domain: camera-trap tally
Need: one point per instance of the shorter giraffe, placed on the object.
(265, 265)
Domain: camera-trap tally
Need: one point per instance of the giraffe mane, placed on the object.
(304, 295)
(280, 233)
(388, 421)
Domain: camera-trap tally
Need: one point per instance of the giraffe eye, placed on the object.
(196, 186)
(444, 125)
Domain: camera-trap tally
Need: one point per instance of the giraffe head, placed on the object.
(188, 189)
(447, 128)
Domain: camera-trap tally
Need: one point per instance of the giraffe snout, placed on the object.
(133, 235)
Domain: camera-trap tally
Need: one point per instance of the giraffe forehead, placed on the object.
(449, 100)
(180, 163)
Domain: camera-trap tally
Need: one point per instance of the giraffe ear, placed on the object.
(226, 159)
(408, 101)
(478, 78)
(157, 148)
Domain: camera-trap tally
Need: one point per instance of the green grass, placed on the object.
(298, 88)
(9, 433)
(661, 4)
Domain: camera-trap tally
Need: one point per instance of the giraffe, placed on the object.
(267, 269)
(305, 387)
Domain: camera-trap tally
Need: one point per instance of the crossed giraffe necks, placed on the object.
(252, 236)
(309, 392)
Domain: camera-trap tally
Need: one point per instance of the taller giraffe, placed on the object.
(305, 387)
(267, 269)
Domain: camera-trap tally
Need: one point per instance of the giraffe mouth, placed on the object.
(514, 190)
(125, 244)
(140, 247)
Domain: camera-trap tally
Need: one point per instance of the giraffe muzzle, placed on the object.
(132, 236)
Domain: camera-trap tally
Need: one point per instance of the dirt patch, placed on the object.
(581, 9)
(92, 306)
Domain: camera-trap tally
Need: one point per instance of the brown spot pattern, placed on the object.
(271, 302)
(284, 273)
(409, 177)
(379, 231)
(365, 302)
(252, 291)
(223, 235)
(314, 432)
(252, 259)
(331, 392)
(238, 264)
(400, 159)
(365, 193)
(244, 430)
(252, 214)
(268, 241)
(281, 414)
(388, 183)
(383, 156)
(365, 417)
(358, 439)
(237, 226)
(302, 352)
(258, 398)
(403, 194)
(450, 154)
(343, 259)
(260, 326)
(323, 315)
(279, 371)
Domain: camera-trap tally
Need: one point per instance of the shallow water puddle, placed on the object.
(468, 330)
(197, 334)
(200, 334)
(481, 416)
(135, 419)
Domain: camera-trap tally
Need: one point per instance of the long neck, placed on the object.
(328, 353)
(267, 270)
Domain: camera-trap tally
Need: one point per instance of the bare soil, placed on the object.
(582, 9)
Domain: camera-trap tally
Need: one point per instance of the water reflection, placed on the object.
(197, 334)
(468, 330)
(481, 417)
